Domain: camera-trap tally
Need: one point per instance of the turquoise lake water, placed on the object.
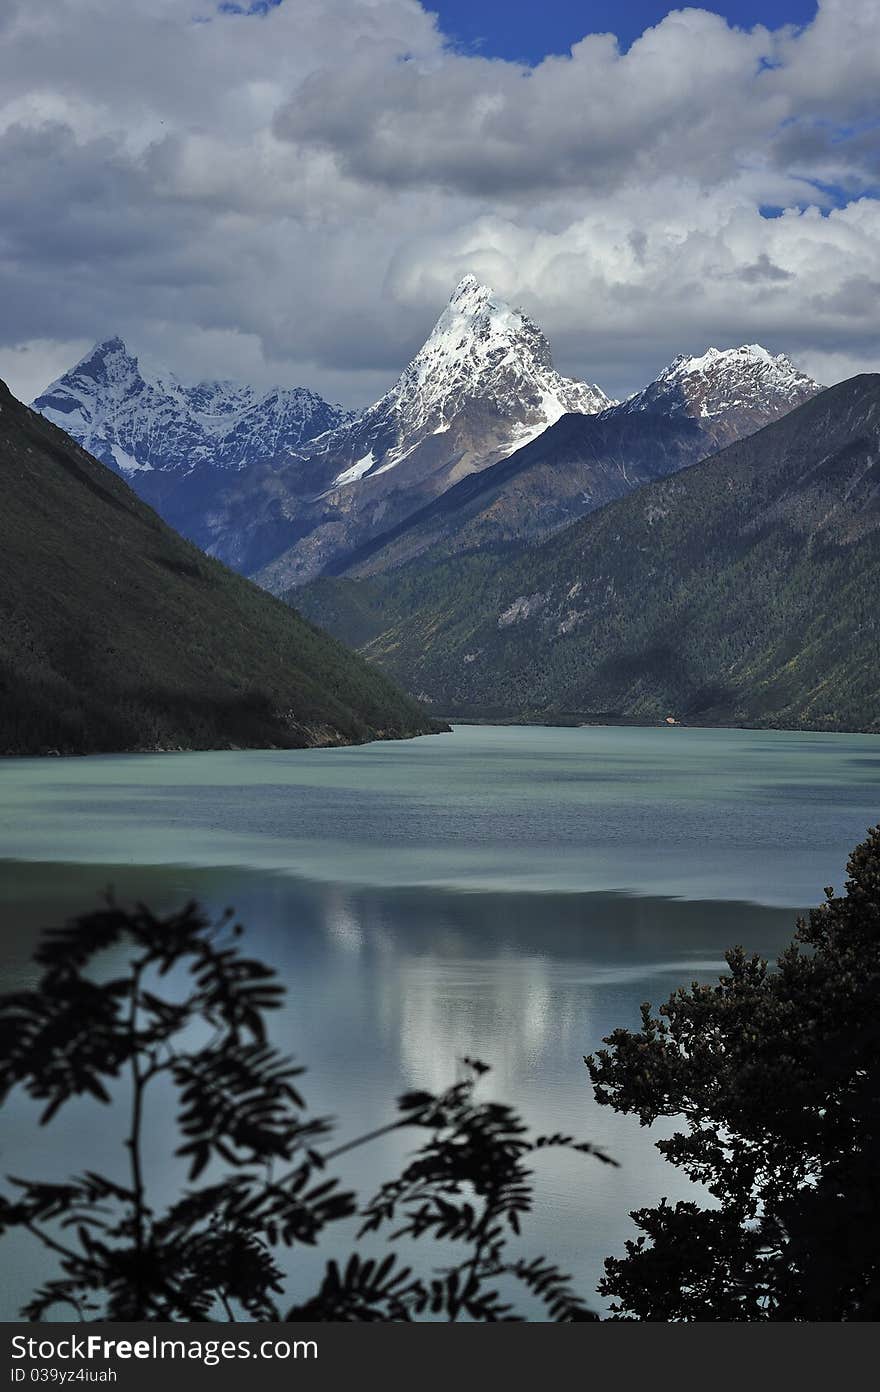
(510, 894)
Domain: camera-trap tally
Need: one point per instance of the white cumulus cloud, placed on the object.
(292, 197)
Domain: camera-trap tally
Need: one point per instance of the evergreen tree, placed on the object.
(776, 1075)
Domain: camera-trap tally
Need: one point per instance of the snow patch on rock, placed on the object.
(484, 362)
(135, 420)
(724, 382)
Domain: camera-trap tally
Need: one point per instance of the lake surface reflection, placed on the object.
(406, 894)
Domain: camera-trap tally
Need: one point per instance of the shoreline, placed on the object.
(378, 737)
(580, 722)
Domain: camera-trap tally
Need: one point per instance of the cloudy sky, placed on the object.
(289, 190)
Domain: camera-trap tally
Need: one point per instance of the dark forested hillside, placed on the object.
(117, 634)
(575, 467)
(741, 590)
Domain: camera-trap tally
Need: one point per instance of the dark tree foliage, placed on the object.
(776, 1074)
(189, 1014)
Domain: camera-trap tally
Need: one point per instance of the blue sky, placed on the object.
(529, 29)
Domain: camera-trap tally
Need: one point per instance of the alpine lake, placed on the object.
(502, 893)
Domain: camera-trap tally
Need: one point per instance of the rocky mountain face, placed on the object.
(118, 634)
(484, 378)
(729, 392)
(283, 486)
(143, 423)
(179, 446)
(481, 386)
(741, 590)
(582, 462)
(479, 442)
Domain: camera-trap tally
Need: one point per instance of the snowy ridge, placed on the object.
(137, 422)
(332, 485)
(482, 355)
(477, 345)
(723, 383)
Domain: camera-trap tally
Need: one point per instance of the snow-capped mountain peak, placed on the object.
(138, 421)
(484, 379)
(108, 366)
(478, 349)
(476, 332)
(726, 385)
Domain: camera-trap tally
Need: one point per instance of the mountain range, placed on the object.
(118, 634)
(143, 423)
(582, 462)
(481, 386)
(507, 542)
(181, 447)
(479, 441)
(738, 590)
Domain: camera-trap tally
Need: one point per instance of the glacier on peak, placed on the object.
(482, 358)
(139, 421)
(715, 358)
(478, 338)
(331, 485)
(725, 383)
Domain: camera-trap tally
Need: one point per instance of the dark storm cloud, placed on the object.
(762, 271)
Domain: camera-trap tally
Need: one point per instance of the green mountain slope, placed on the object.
(742, 590)
(117, 634)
